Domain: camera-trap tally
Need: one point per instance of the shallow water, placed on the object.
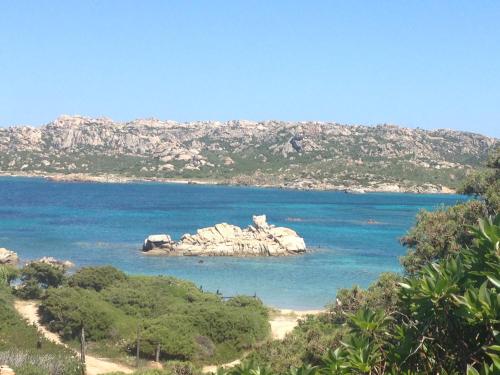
(354, 237)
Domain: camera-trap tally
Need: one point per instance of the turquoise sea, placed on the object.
(353, 237)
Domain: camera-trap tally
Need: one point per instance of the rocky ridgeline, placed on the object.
(259, 239)
(303, 155)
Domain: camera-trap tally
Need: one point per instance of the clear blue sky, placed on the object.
(415, 63)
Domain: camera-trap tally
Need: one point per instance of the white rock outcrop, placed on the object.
(8, 257)
(63, 264)
(156, 241)
(259, 239)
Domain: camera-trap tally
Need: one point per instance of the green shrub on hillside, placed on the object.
(36, 277)
(65, 310)
(96, 278)
(176, 337)
(441, 233)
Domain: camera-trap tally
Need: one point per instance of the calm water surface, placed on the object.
(93, 224)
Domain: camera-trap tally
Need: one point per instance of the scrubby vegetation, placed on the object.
(23, 348)
(169, 315)
(36, 277)
(486, 183)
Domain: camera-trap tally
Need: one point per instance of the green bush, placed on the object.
(44, 274)
(486, 183)
(66, 310)
(174, 334)
(36, 277)
(29, 289)
(441, 233)
(96, 278)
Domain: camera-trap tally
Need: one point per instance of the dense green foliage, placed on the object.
(36, 277)
(486, 183)
(96, 278)
(183, 321)
(27, 352)
(438, 234)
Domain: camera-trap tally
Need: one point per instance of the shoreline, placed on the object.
(117, 179)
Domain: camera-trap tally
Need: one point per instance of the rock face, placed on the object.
(304, 155)
(157, 241)
(259, 239)
(8, 257)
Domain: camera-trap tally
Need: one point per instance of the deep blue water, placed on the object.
(92, 224)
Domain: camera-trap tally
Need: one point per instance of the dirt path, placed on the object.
(282, 322)
(95, 366)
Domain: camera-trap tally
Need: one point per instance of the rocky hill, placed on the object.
(309, 155)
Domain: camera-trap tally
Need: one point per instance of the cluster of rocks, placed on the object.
(10, 258)
(62, 264)
(259, 239)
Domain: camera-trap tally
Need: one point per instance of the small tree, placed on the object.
(38, 276)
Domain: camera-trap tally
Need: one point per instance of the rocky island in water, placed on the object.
(259, 239)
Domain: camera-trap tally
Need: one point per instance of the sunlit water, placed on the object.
(353, 237)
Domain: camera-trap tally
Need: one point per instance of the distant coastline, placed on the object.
(118, 179)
